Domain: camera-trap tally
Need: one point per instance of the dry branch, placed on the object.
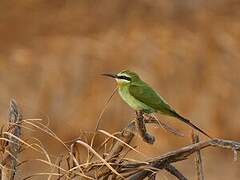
(109, 161)
(12, 148)
(127, 135)
(178, 155)
(133, 170)
(198, 158)
(140, 123)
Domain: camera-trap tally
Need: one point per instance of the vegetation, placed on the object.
(108, 161)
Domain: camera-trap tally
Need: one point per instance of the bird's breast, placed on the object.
(132, 101)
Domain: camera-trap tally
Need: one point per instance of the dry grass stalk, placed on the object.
(107, 162)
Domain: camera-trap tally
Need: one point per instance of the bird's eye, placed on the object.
(124, 77)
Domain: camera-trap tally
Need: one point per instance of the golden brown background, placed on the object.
(53, 52)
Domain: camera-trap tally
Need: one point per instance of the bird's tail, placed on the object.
(188, 122)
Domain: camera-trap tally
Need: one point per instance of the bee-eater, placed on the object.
(140, 96)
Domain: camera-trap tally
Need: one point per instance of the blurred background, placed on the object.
(53, 52)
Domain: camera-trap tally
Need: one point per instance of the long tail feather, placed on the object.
(188, 122)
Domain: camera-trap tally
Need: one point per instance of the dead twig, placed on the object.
(153, 119)
(126, 136)
(140, 123)
(163, 161)
(198, 158)
(12, 148)
(172, 170)
(110, 160)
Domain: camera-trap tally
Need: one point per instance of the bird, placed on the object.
(142, 97)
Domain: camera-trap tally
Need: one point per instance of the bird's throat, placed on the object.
(122, 82)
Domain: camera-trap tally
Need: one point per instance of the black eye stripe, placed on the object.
(124, 77)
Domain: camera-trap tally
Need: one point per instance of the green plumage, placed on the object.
(145, 94)
(140, 96)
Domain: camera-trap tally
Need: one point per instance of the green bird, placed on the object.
(140, 96)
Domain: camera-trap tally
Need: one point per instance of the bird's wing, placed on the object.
(144, 93)
(148, 96)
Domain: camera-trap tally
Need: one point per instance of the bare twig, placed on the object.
(151, 118)
(198, 158)
(12, 150)
(109, 163)
(127, 135)
(172, 170)
(142, 128)
(163, 161)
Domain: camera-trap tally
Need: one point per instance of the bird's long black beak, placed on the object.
(110, 75)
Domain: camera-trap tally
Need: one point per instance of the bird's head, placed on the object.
(125, 77)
